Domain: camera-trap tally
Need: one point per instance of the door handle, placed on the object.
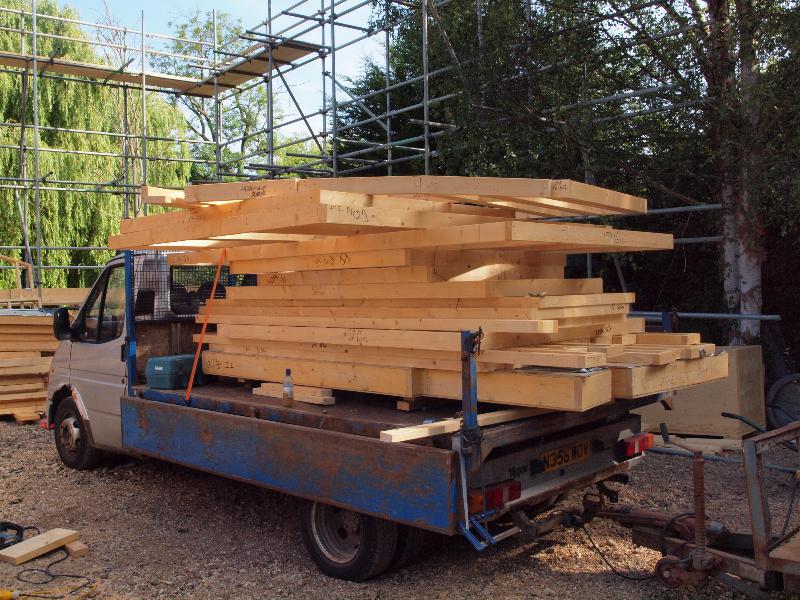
(123, 351)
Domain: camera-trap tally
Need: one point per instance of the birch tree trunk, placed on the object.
(749, 233)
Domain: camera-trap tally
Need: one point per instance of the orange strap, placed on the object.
(222, 256)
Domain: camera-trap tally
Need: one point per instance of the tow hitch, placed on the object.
(695, 549)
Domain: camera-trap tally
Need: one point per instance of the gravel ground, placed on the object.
(157, 530)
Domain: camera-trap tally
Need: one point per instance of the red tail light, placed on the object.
(496, 495)
(635, 445)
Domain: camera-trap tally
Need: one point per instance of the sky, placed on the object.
(306, 83)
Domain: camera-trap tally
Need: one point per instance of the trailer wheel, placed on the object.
(410, 541)
(72, 439)
(346, 544)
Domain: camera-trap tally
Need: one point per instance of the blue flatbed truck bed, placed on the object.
(333, 454)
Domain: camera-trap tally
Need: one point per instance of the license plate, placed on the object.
(563, 457)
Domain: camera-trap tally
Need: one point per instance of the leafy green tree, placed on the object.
(71, 218)
(682, 102)
(244, 113)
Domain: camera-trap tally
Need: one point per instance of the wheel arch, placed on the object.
(61, 394)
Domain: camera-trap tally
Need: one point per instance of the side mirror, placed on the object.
(61, 325)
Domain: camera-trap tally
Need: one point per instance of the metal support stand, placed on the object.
(130, 323)
(468, 441)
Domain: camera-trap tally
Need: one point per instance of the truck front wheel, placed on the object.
(346, 544)
(72, 439)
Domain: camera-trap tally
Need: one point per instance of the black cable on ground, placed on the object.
(47, 576)
(662, 535)
(609, 565)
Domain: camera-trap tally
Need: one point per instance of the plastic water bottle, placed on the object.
(288, 389)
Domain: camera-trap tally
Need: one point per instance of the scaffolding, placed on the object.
(302, 41)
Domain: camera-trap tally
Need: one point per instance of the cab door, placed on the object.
(97, 362)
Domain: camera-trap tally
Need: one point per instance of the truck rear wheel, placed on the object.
(72, 438)
(410, 541)
(346, 544)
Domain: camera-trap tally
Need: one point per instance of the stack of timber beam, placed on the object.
(26, 348)
(29, 297)
(365, 283)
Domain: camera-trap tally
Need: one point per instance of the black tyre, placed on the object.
(410, 541)
(346, 544)
(72, 438)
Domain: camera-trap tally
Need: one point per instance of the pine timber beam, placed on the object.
(570, 237)
(418, 432)
(386, 323)
(533, 388)
(379, 338)
(500, 290)
(634, 382)
(281, 214)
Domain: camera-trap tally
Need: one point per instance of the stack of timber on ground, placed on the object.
(26, 349)
(365, 283)
(29, 297)
(22, 297)
(697, 411)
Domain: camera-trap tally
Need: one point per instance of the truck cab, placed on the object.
(89, 373)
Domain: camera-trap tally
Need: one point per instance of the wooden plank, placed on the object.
(76, 549)
(426, 430)
(377, 338)
(27, 337)
(26, 416)
(683, 352)
(442, 289)
(562, 390)
(542, 389)
(14, 388)
(288, 213)
(275, 390)
(634, 382)
(676, 339)
(25, 370)
(34, 395)
(337, 353)
(37, 545)
(333, 260)
(559, 189)
(50, 297)
(22, 344)
(543, 358)
(359, 378)
(418, 274)
(567, 237)
(24, 362)
(378, 312)
(633, 357)
(696, 410)
(164, 197)
(27, 329)
(20, 318)
(421, 324)
(237, 191)
(24, 409)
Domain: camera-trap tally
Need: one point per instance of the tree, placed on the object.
(679, 101)
(70, 218)
(244, 113)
